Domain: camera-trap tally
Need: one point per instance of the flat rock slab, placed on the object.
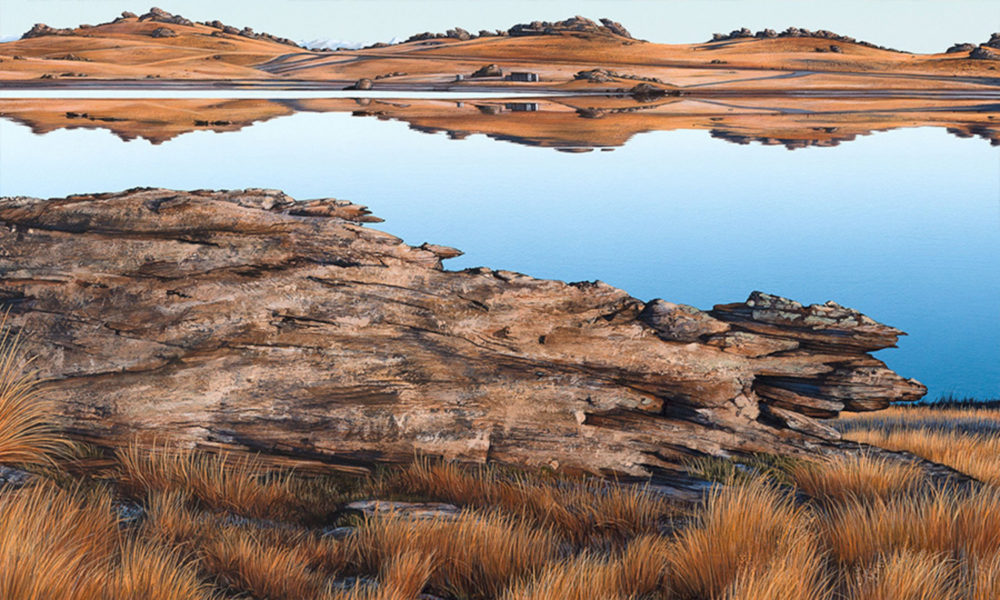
(406, 510)
(247, 320)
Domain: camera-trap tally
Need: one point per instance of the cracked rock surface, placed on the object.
(244, 319)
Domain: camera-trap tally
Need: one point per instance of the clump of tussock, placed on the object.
(66, 544)
(946, 521)
(983, 578)
(242, 485)
(402, 577)
(272, 562)
(798, 573)
(742, 527)
(474, 555)
(977, 455)
(27, 436)
(581, 510)
(152, 572)
(906, 576)
(241, 562)
(855, 476)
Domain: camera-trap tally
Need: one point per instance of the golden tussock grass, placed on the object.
(984, 578)
(640, 571)
(26, 435)
(798, 573)
(579, 509)
(238, 484)
(67, 545)
(266, 561)
(857, 476)
(150, 572)
(956, 523)
(241, 562)
(906, 576)
(583, 577)
(403, 577)
(976, 455)
(475, 555)
(742, 527)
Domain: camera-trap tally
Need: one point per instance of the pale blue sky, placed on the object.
(915, 25)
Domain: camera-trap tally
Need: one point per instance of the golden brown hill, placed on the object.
(169, 48)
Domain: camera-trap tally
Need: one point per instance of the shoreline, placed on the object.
(478, 91)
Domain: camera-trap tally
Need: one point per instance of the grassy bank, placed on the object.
(176, 524)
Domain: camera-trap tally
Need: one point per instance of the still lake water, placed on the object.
(903, 225)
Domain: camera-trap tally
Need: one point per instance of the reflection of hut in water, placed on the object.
(522, 76)
(521, 106)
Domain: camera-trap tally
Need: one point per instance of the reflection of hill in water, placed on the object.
(573, 123)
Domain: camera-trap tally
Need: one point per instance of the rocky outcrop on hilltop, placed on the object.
(42, 30)
(158, 15)
(574, 24)
(985, 53)
(955, 49)
(994, 41)
(247, 32)
(244, 319)
(793, 32)
(163, 32)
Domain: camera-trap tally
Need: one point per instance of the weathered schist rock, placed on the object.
(244, 319)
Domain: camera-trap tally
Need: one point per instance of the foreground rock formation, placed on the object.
(245, 319)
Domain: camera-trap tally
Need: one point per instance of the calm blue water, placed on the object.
(902, 225)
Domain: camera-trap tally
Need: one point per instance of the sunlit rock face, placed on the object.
(246, 319)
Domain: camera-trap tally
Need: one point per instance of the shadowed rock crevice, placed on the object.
(291, 328)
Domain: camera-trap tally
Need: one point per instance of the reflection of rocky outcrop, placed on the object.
(824, 141)
(247, 320)
(557, 122)
(984, 131)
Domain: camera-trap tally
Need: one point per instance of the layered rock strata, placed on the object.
(245, 319)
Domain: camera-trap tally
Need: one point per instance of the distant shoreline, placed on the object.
(476, 90)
